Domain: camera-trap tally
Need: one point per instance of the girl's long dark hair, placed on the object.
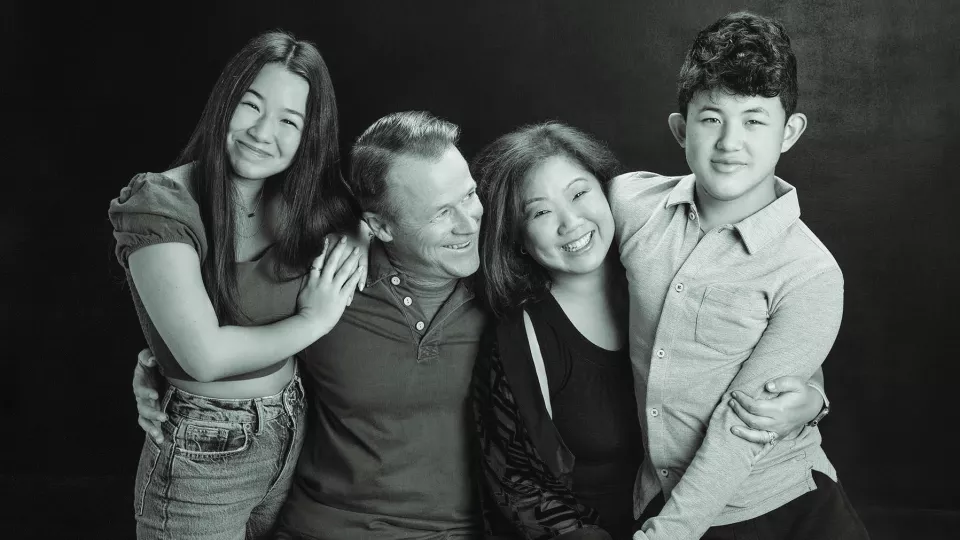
(313, 198)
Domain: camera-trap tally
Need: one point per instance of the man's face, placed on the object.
(435, 216)
(733, 142)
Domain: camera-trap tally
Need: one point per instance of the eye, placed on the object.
(539, 213)
(711, 120)
(252, 105)
(473, 193)
(577, 196)
(755, 123)
(290, 122)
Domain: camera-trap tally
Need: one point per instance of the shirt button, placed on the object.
(661, 353)
(419, 325)
(679, 287)
(664, 473)
(407, 301)
(395, 280)
(654, 412)
(692, 216)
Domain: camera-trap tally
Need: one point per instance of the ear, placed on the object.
(678, 126)
(795, 127)
(379, 226)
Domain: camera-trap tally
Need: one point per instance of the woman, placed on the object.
(216, 252)
(553, 386)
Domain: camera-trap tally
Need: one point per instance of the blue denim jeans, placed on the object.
(224, 468)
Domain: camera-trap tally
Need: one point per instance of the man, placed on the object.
(389, 453)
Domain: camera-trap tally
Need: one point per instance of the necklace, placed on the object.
(249, 215)
(257, 207)
(251, 234)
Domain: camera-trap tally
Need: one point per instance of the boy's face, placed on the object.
(733, 142)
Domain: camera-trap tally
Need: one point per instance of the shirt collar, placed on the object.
(381, 268)
(759, 229)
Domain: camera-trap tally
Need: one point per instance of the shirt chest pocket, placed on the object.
(731, 322)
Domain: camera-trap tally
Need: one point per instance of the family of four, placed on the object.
(531, 345)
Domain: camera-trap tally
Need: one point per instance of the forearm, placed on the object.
(234, 350)
(798, 337)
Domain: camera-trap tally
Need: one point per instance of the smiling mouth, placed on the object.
(255, 151)
(728, 164)
(578, 244)
(458, 247)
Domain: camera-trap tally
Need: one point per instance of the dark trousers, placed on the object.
(822, 514)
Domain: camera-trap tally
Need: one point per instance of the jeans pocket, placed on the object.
(149, 457)
(200, 441)
(730, 323)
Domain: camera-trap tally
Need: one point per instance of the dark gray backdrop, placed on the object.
(93, 95)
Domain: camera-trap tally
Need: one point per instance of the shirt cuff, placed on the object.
(815, 386)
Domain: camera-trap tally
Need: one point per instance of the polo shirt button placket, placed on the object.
(395, 280)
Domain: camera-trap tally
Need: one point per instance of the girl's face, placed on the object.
(265, 130)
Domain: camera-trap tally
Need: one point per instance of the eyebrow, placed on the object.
(289, 110)
(436, 209)
(528, 202)
(715, 109)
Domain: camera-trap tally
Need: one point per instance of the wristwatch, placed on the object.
(823, 412)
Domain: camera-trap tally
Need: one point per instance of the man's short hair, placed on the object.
(741, 53)
(410, 133)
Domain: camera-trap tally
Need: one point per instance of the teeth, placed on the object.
(579, 244)
(458, 246)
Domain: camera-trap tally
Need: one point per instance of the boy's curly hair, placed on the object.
(741, 53)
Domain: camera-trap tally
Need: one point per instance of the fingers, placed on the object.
(142, 389)
(758, 407)
(153, 430)
(149, 410)
(754, 436)
(146, 359)
(785, 384)
(364, 259)
(752, 420)
(317, 265)
(347, 270)
(335, 259)
(355, 278)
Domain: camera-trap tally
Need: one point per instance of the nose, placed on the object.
(567, 220)
(468, 217)
(731, 137)
(262, 129)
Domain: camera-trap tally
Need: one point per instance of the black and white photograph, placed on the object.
(503, 270)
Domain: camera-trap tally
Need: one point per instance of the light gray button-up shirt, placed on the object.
(745, 303)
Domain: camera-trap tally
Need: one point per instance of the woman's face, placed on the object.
(265, 130)
(567, 226)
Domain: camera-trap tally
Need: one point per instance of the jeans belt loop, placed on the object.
(258, 405)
